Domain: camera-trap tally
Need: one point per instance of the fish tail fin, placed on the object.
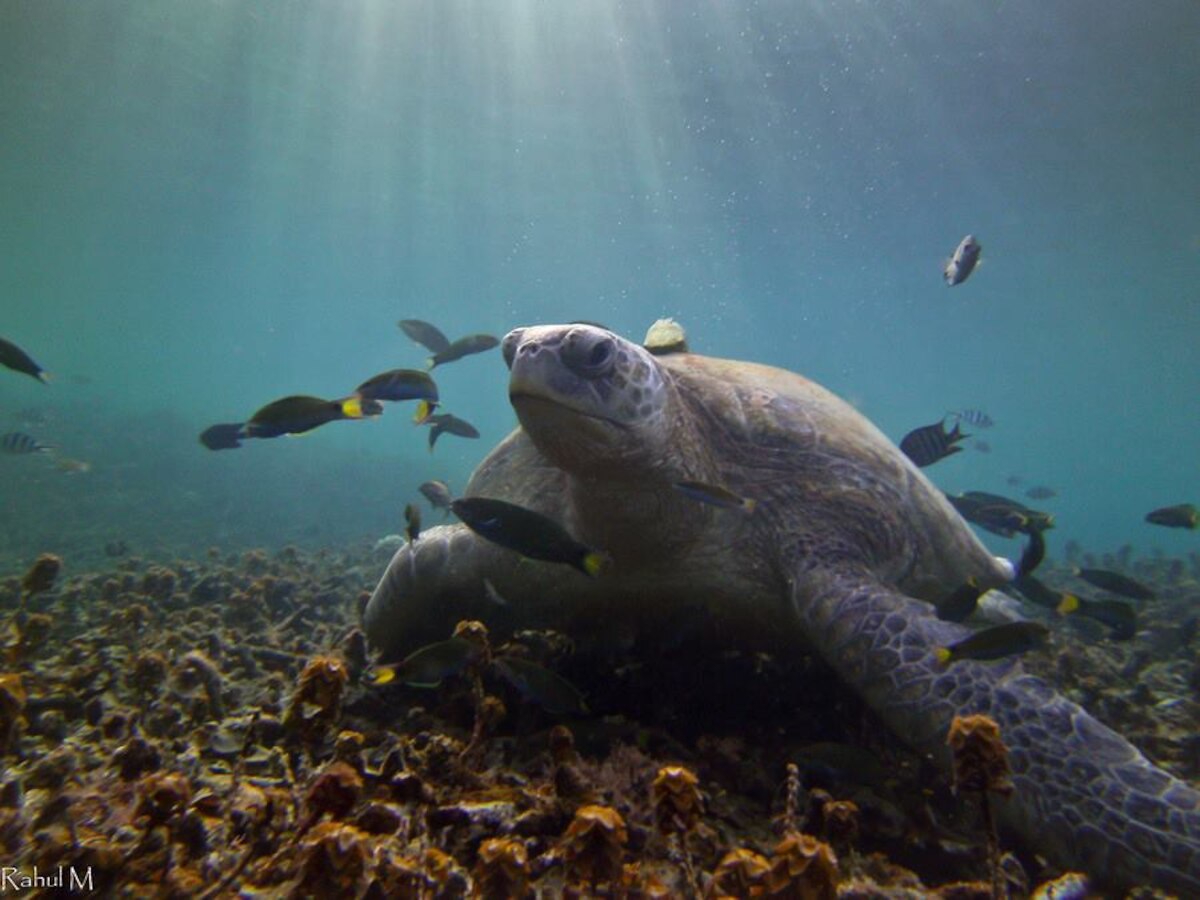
(593, 562)
(1069, 604)
(44, 377)
(382, 675)
(352, 407)
(424, 410)
(944, 655)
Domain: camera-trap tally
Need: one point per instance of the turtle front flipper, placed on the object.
(429, 586)
(1084, 796)
(443, 577)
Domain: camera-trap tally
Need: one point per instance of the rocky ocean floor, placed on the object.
(202, 728)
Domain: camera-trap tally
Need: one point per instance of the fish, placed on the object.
(958, 605)
(425, 334)
(527, 532)
(492, 595)
(976, 417)
(983, 446)
(299, 413)
(930, 443)
(398, 384)
(1001, 520)
(412, 520)
(1116, 583)
(1032, 556)
(960, 266)
(1041, 492)
(438, 494)
(13, 357)
(465, 346)
(1183, 515)
(548, 690)
(1116, 614)
(445, 423)
(428, 666)
(714, 495)
(225, 436)
(1037, 593)
(72, 466)
(998, 514)
(996, 642)
(19, 443)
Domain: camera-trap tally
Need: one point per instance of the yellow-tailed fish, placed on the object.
(429, 665)
(960, 603)
(527, 532)
(1117, 615)
(997, 642)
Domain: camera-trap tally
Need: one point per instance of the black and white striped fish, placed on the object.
(17, 442)
(929, 443)
(976, 417)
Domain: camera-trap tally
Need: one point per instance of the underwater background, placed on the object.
(206, 206)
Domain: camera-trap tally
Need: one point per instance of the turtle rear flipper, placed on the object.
(1081, 790)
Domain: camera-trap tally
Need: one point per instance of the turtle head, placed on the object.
(588, 399)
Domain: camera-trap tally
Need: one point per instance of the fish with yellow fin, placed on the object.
(997, 642)
(431, 665)
(300, 413)
(1117, 615)
(527, 532)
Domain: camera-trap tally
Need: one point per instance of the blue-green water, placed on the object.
(205, 206)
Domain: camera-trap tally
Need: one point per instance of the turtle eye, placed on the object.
(600, 354)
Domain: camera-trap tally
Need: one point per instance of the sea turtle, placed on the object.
(847, 546)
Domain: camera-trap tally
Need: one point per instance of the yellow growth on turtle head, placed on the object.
(944, 655)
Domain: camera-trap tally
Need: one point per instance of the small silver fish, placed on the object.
(715, 495)
(438, 494)
(962, 263)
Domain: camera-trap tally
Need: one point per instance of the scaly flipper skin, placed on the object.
(1081, 790)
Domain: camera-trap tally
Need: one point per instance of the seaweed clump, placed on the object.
(981, 768)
